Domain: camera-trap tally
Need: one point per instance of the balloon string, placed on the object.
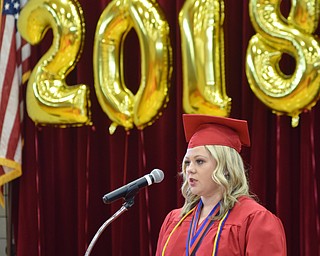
(315, 188)
(125, 166)
(144, 161)
(125, 172)
(278, 162)
(38, 190)
(146, 193)
(87, 187)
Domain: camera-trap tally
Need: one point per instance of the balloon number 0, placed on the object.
(115, 98)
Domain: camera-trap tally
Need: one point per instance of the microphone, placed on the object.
(156, 176)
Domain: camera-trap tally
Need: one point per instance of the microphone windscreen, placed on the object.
(157, 175)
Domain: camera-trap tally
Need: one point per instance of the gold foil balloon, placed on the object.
(117, 101)
(49, 99)
(202, 38)
(284, 94)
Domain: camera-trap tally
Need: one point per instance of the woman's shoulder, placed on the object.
(172, 218)
(250, 224)
(174, 215)
(247, 208)
(249, 204)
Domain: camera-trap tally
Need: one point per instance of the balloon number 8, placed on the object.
(285, 94)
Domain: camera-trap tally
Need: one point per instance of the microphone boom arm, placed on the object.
(129, 202)
(127, 192)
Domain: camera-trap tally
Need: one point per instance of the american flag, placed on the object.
(14, 55)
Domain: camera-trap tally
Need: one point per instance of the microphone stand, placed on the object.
(129, 201)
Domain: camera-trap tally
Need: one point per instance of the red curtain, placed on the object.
(58, 204)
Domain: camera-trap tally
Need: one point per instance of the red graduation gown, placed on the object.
(250, 230)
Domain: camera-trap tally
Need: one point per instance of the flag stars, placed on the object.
(16, 5)
(11, 7)
(7, 6)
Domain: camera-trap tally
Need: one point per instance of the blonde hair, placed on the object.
(229, 173)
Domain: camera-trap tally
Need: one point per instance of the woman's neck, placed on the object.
(211, 201)
(208, 204)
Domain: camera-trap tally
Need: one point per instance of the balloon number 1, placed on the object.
(202, 39)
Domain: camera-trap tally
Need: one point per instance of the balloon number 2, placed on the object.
(50, 101)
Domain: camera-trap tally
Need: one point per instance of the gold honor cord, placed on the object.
(178, 224)
(216, 240)
(220, 227)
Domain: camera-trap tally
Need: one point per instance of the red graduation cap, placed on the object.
(213, 130)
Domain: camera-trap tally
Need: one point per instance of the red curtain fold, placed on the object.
(309, 195)
(66, 171)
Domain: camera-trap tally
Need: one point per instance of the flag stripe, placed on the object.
(8, 100)
(12, 120)
(14, 58)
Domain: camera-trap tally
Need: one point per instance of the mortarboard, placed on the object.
(213, 130)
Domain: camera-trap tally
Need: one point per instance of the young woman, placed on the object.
(219, 217)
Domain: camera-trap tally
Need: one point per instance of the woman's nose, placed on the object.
(190, 168)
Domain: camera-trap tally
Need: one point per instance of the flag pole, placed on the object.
(9, 217)
(7, 190)
(1, 6)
